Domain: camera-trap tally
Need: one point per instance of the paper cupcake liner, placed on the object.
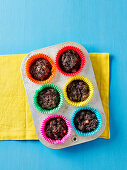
(91, 90)
(34, 58)
(98, 115)
(80, 53)
(45, 111)
(42, 129)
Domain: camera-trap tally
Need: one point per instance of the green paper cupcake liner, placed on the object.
(45, 111)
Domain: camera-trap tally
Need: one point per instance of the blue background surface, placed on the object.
(99, 25)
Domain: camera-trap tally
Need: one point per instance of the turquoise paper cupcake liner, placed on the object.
(45, 111)
(98, 118)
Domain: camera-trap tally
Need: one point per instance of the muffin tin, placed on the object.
(66, 109)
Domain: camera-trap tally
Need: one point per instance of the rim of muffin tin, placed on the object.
(91, 91)
(45, 111)
(98, 115)
(42, 130)
(80, 53)
(31, 60)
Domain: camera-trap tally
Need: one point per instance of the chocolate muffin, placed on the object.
(78, 91)
(48, 98)
(40, 69)
(85, 121)
(56, 128)
(70, 61)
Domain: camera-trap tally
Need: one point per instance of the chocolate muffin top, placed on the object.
(48, 98)
(69, 61)
(77, 91)
(40, 69)
(56, 128)
(85, 121)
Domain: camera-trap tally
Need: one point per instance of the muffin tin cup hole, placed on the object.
(74, 138)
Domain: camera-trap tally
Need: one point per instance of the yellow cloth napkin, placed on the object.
(15, 117)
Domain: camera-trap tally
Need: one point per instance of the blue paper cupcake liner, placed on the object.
(98, 118)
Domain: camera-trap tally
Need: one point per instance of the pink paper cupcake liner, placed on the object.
(54, 142)
(80, 53)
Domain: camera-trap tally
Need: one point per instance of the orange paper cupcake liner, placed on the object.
(31, 60)
(80, 53)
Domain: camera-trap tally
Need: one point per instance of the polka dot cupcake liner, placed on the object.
(45, 111)
(91, 90)
(42, 130)
(80, 53)
(98, 115)
(31, 60)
